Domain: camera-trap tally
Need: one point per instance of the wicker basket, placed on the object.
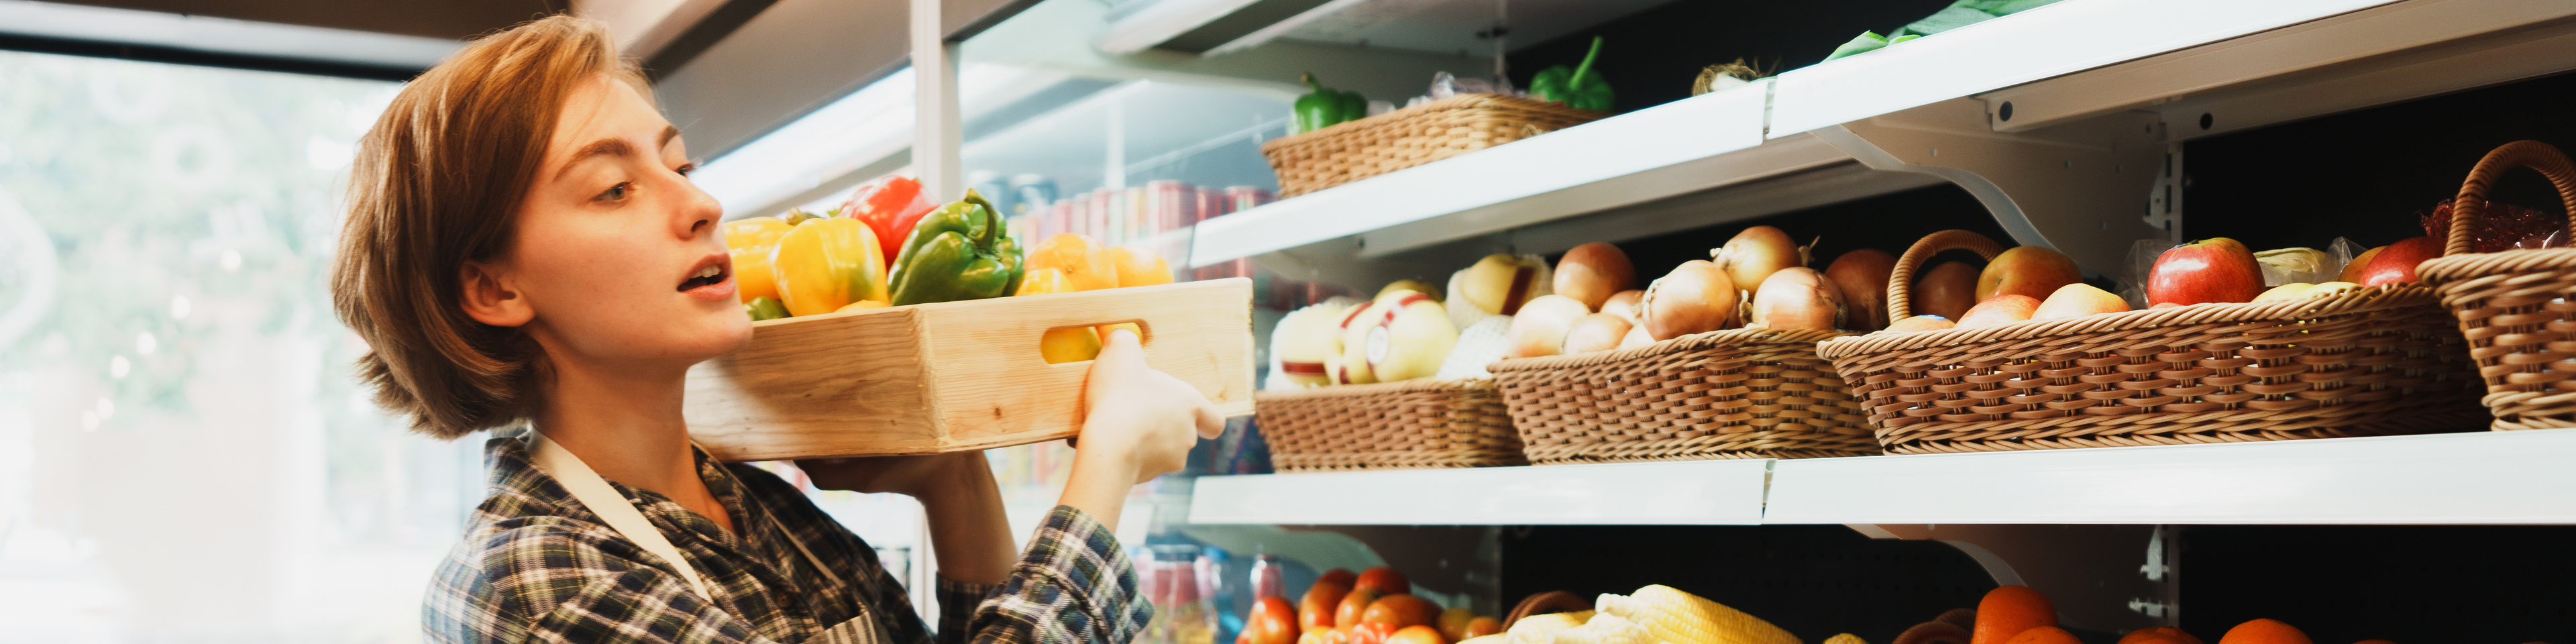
(1738, 393)
(2514, 306)
(1355, 150)
(2368, 362)
(1414, 424)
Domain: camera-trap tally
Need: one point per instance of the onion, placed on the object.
(1697, 297)
(1592, 272)
(1636, 338)
(1798, 298)
(1756, 253)
(1540, 328)
(1596, 332)
(1946, 290)
(1861, 276)
(1624, 304)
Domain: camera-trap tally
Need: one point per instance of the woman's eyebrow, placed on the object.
(603, 147)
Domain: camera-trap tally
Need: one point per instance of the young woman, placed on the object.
(524, 253)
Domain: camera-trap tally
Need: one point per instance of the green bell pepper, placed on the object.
(765, 308)
(1579, 88)
(962, 251)
(1324, 107)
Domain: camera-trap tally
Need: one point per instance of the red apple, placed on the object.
(1272, 621)
(2002, 309)
(1342, 576)
(2395, 263)
(2210, 270)
(2352, 270)
(1482, 626)
(2027, 270)
(1315, 610)
(1947, 290)
(1353, 606)
(1402, 611)
(1384, 580)
(1416, 635)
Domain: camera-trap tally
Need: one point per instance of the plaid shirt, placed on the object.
(537, 566)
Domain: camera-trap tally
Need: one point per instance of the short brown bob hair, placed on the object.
(436, 183)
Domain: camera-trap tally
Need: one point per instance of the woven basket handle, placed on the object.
(2471, 205)
(1900, 281)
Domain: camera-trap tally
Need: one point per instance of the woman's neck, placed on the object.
(625, 424)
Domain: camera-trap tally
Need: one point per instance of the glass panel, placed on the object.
(183, 456)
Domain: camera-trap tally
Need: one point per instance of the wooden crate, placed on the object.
(954, 376)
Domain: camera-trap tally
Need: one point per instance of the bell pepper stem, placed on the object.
(1576, 81)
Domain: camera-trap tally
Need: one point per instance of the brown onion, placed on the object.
(1756, 253)
(1596, 332)
(1540, 328)
(1697, 297)
(1590, 273)
(1624, 304)
(1798, 298)
(1861, 276)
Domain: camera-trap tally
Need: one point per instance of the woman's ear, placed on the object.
(492, 295)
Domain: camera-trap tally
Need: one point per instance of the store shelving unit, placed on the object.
(2060, 147)
(2465, 478)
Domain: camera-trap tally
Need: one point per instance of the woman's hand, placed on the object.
(1138, 424)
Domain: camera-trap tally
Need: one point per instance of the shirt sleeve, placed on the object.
(1073, 585)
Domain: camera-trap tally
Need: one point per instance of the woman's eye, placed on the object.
(616, 192)
(686, 168)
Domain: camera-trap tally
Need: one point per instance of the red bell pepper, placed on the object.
(890, 206)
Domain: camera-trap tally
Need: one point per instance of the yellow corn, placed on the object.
(1682, 618)
(1541, 629)
(1846, 638)
(1606, 629)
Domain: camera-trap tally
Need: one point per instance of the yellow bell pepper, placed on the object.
(825, 264)
(750, 240)
(1069, 344)
(754, 231)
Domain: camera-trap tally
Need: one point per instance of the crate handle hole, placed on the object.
(1081, 342)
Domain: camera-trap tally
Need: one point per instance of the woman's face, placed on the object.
(617, 256)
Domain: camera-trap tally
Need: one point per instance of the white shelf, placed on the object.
(2254, 62)
(2049, 41)
(2479, 477)
(2466, 478)
(1691, 492)
(1457, 197)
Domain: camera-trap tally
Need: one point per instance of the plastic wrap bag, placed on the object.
(2142, 261)
(2298, 265)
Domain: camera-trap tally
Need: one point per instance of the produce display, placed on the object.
(2033, 283)
(1374, 607)
(807, 264)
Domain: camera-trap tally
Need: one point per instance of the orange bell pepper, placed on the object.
(1086, 265)
(1139, 267)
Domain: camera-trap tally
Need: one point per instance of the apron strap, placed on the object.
(620, 514)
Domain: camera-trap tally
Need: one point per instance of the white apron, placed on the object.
(620, 515)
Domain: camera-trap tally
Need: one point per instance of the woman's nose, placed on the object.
(697, 212)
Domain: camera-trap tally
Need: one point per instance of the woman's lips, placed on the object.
(710, 279)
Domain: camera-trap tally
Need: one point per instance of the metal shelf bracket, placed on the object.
(2071, 187)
